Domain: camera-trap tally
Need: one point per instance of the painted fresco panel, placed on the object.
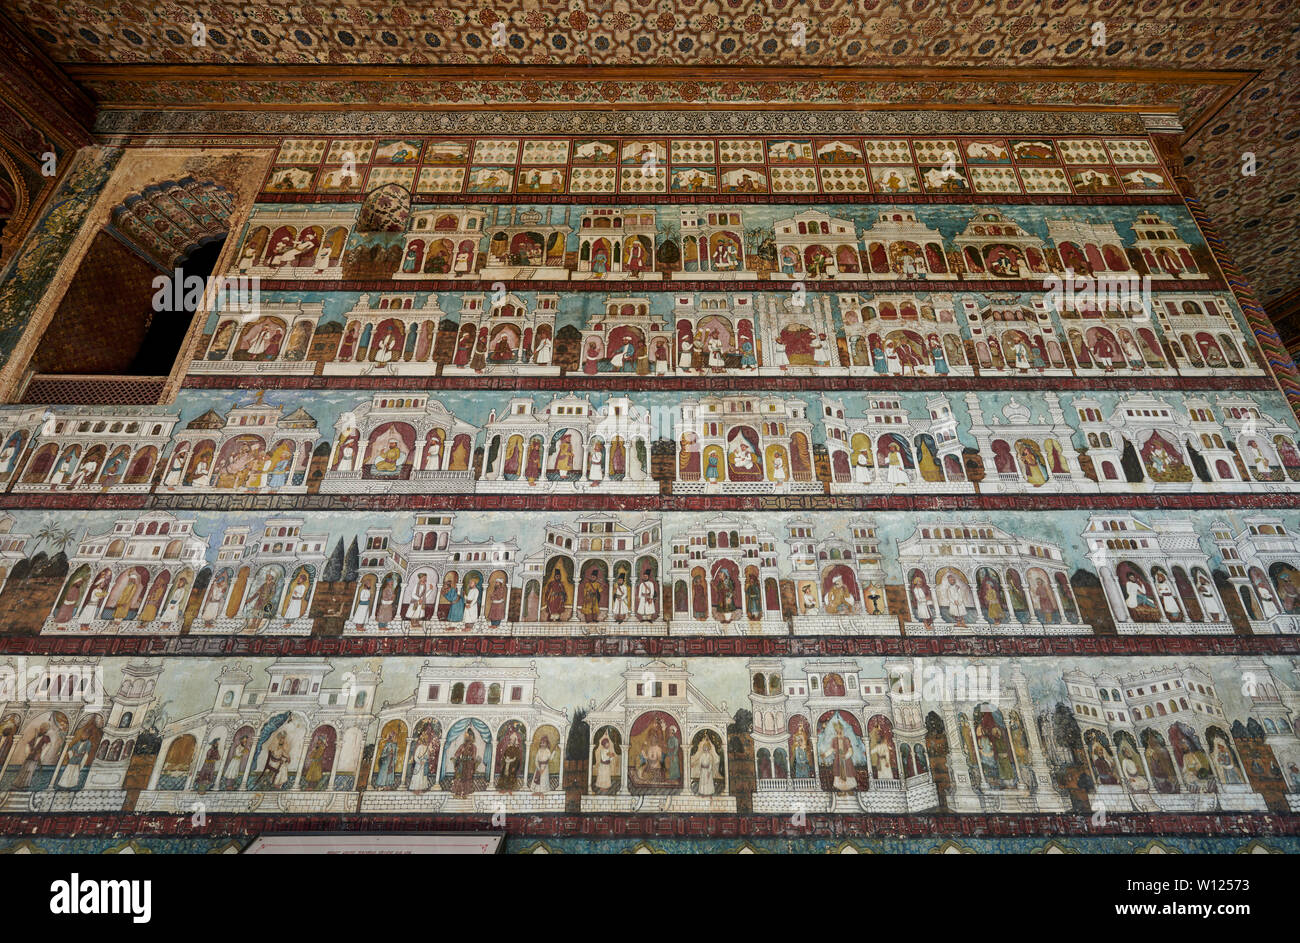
(639, 476)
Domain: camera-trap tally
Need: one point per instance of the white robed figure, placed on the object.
(715, 353)
(1134, 593)
(953, 596)
(172, 611)
(1209, 604)
(596, 472)
(347, 458)
(71, 775)
(921, 601)
(322, 259)
(704, 764)
(364, 598)
(621, 603)
(542, 766)
(420, 774)
(297, 606)
(897, 474)
(473, 596)
(620, 356)
(1266, 601)
(1258, 459)
(1137, 782)
(421, 597)
(215, 598)
(779, 475)
(174, 472)
(822, 351)
(645, 600)
(862, 468)
(606, 763)
(1168, 598)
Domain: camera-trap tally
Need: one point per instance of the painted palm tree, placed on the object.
(56, 536)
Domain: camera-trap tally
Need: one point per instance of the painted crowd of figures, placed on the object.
(387, 237)
(732, 334)
(1168, 737)
(641, 443)
(654, 573)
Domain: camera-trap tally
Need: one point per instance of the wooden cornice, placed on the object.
(105, 77)
(643, 73)
(39, 90)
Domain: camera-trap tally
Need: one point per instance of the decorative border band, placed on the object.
(804, 646)
(663, 826)
(586, 502)
(746, 122)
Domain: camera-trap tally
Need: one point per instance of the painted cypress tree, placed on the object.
(333, 571)
(352, 562)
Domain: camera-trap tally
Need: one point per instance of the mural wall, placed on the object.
(588, 480)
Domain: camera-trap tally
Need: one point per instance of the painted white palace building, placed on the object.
(886, 449)
(599, 575)
(977, 579)
(406, 443)
(834, 740)
(1155, 577)
(1263, 565)
(263, 581)
(839, 583)
(502, 334)
(254, 448)
(724, 580)
(658, 745)
(473, 737)
(1203, 334)
(414, 587)
(13, 547)
(568, 445)
(134, 578)
(63, 734)
(744, 444)
(386, 334)
(1147, 444)
(269, 337)
(1158, 740)
(89, 449)
(1276, 705)
(1266, 446)
(1026, 451)
(296, 738)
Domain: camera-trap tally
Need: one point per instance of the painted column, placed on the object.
(962, 795)
(1048, 798)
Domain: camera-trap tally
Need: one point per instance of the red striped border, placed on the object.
(1220, 502)
(675, 285)
(733, 383)
(665, 825)
(676, 646)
